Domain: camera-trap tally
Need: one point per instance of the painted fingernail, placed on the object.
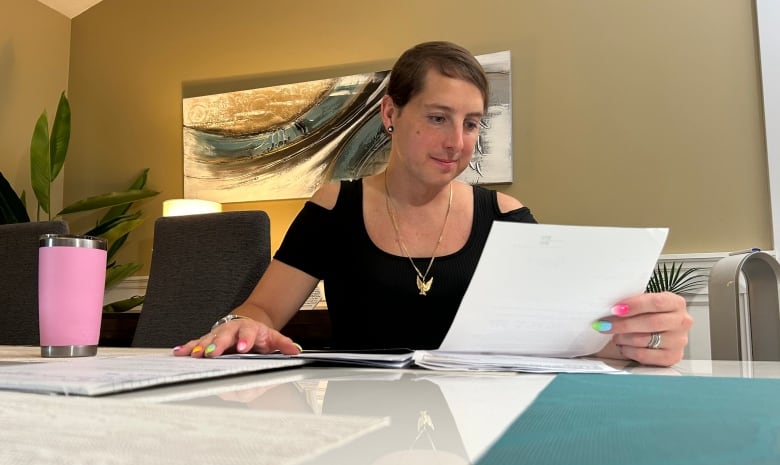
(210, 348)
(601, 325)
(241, 346)
(197, 349)
(176, 348)
(298, 346)
(620, 309)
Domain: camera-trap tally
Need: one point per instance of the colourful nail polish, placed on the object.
(620, 309)
(176, 348)
(601, 325)
(197, 349)
(298, 346)
(241, 346)
(210, 348)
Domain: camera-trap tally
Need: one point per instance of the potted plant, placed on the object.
(48, 151)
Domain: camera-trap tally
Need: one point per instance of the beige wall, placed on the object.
(34, 56)
(636, 113)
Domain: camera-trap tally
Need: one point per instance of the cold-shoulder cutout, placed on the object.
(327, 195)
(507, 203)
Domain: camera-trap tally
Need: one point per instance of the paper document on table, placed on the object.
(538, 288)
(92, 376)
(465, 361)
(376, 358)
(76, 431)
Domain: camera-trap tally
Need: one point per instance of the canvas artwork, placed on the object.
(283, 142)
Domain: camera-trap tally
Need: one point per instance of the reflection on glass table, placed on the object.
(434, 417)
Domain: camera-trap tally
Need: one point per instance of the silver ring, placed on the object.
(655, 341)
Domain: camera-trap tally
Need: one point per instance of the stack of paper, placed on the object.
(460, 361)
(93, 376)
(388, 358)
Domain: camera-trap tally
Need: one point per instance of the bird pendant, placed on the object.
(424, 286)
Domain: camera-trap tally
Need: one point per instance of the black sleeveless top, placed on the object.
(372, 295)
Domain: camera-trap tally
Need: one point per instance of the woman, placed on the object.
(397, 250)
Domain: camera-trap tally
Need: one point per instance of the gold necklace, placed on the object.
(423, 283)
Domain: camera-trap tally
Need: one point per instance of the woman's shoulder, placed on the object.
(504, 203)
(328, 195)
(496, 205)
(507, 203)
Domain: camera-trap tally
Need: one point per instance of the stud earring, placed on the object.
(390, 129)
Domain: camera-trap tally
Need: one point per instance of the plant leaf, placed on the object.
(117, 273)
(675, 280)
(60, 137)
(666, 276)
(107, 200)
(101, 228)
(124, 305)
(120, 210)
(40, 167)
(115, 246)
(12, 209)
(121, 229)
(690, 281)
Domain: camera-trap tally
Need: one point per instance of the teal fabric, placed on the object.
(583, 419)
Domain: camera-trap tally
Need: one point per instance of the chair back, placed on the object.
(19, 279)
(202, 267)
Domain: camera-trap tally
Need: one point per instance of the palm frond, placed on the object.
(674, 279)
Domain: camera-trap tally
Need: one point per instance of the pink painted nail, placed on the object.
(241, 346)
(620, 309)
(176, 348)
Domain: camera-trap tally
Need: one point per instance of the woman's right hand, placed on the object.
(241, 335)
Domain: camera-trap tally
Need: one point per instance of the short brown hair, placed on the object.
(407, 77)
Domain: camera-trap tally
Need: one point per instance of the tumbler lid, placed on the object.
(72, 240)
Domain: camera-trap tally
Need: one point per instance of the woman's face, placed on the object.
(435, 133)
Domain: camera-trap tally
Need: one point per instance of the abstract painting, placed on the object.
(285, 141)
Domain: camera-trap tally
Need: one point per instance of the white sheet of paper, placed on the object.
(538, 288)
(75, 431)
(459, 361)
(92, 376)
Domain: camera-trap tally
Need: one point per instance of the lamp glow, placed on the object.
(179, 207)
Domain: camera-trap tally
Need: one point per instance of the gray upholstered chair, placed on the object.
(202, 267)
(19, 279)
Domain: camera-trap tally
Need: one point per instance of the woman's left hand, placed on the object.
(651, 328)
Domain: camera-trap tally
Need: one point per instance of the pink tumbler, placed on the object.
(71, 283)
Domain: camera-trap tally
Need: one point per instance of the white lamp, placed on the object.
(179, 207)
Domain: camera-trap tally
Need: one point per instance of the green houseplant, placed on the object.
(48, 151)
(674, 279)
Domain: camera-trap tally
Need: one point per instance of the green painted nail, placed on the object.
(210, 348)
